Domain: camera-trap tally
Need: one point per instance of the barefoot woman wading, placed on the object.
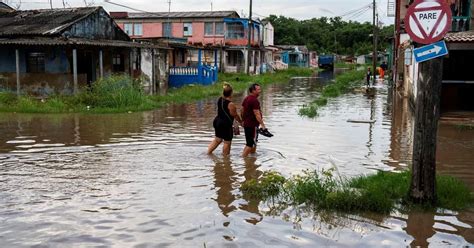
(226, 113)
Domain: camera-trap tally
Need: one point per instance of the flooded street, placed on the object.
(144, 179)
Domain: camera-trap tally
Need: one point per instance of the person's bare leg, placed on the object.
(214, 144)
(247, 151)
(226, 147)
(254, 149)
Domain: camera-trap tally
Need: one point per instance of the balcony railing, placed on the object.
(460, 23)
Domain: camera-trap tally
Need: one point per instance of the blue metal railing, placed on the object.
(180, 76)
(201, 74)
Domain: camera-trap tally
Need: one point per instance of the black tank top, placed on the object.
(223, 111)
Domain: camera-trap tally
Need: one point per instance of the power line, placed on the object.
(127, 7)
(355, 10)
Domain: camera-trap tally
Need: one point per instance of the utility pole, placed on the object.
(374, 38)
(51, 3)
(249, 40)
(427, 110)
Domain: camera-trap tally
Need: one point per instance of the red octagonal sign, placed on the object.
(427, 21)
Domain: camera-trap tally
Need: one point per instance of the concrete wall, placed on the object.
(42, 84)
(268, 34)
(56, 60)
(146, 64)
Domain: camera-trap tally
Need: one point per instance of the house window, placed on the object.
(35, 63)
(128, 28)
(187, 29)
(235, 30)
(208, 28)
(166, 29)
(219, 28)
(118, 63)
(137, 29)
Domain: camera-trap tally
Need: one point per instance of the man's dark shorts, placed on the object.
(251, 136)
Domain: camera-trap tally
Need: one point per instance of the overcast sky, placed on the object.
(299, 9)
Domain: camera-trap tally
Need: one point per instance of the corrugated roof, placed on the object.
(41, 22)
(301, 48)
(460, 37)
(5, 7)
(188, 14)
(45, 41)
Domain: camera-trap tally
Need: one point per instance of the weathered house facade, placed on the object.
(294, 55)
(221, 37)
(53, 51)
(458, 79)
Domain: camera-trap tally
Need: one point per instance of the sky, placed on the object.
(355, 10)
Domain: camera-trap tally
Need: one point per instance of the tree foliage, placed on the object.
(329, 35)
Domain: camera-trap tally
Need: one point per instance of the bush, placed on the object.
(114, 92)
(7, 98)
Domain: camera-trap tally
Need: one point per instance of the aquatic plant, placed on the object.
(269, 185)
(381, 192)
(342, 84)
(465, 126)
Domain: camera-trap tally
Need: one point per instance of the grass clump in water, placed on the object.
(268, 186)
(465, 126)
(381, 193)
(342, 84)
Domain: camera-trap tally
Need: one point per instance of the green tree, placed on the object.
(329, 35)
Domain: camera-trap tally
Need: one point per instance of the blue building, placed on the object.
(294, 55)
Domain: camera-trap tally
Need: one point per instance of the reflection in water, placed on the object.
(251, 172)
(143, 179)
(421, 227)
(224, 182)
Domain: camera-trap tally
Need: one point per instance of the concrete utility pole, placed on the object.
(428, 99)
(249, 40)
(374, 38)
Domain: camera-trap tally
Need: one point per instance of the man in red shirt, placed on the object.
(252, 118)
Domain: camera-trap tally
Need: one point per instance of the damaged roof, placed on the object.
(300, 48)
(460, 37)
(41, 22)
(163, 15)
(54, 41)
(5, 7)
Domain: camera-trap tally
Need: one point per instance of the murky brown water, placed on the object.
(144, 180)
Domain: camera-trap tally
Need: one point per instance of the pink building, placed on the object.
(221, 31)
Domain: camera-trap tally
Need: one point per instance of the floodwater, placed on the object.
(144, 180)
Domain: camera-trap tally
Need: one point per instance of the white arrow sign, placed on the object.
(431, 51)
(435, 50)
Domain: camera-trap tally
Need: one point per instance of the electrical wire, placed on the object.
(355, 10)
